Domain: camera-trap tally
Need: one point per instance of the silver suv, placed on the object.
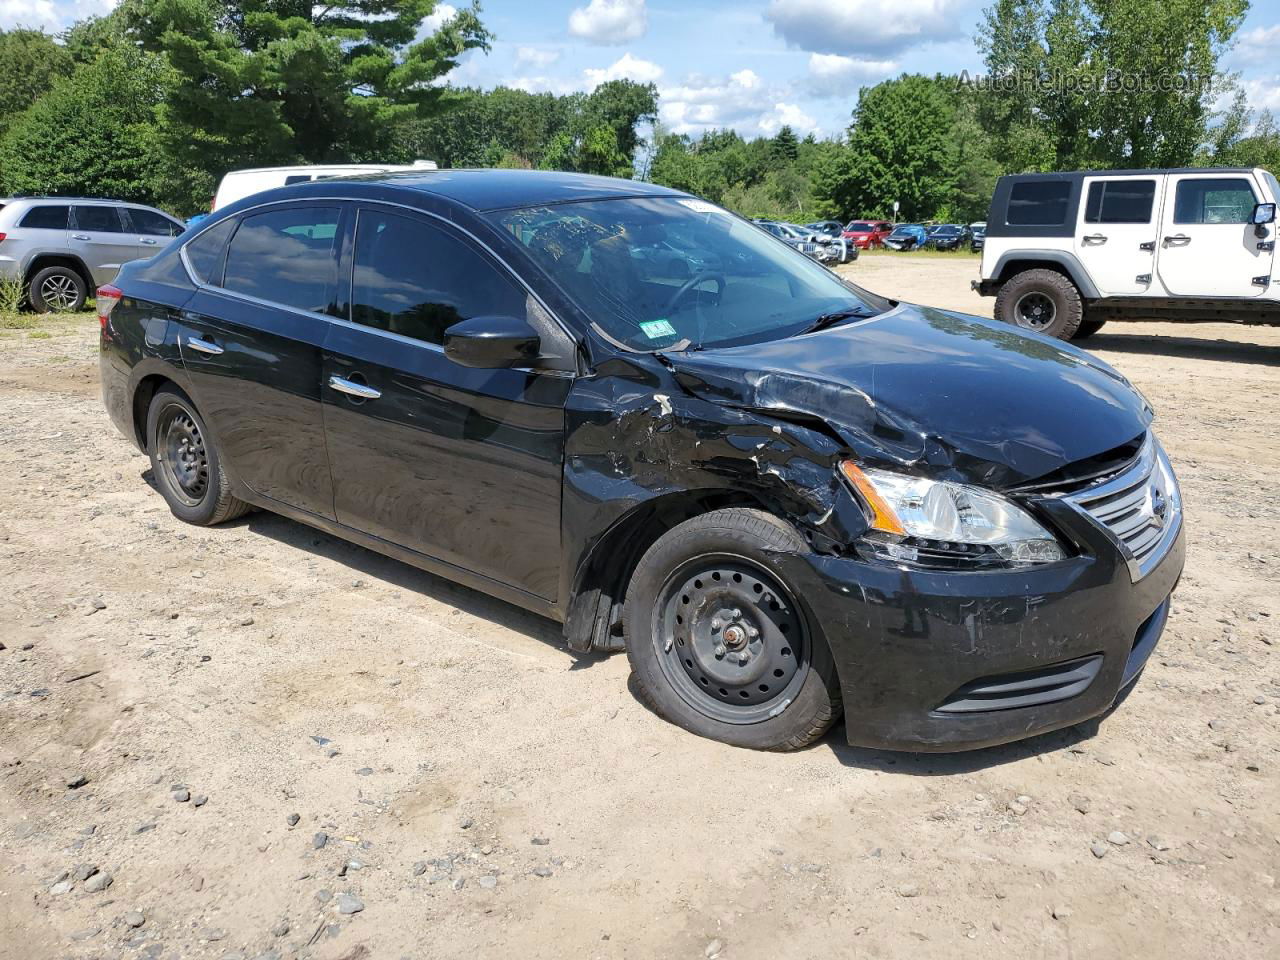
(63, 247)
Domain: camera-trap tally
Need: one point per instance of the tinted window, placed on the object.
(204, 253)
(297, 178)
(285, 256)
(153, 224)
(99, 220)
(415, 279)
(1120, 201)
(1214, 200)
(1039, 203)
(46, 218)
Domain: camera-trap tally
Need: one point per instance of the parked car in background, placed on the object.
(242, 183)
(803, 240)
(948, 236)
(1066, 252)
(906, 236)
(786, 497)
(832, 233)
(63, 247)
(867, 234)
(977, 235)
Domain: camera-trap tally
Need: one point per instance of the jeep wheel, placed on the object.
(55, 289)
(1043, 301)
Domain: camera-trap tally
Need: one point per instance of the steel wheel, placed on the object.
(1035, 311)
(185, 461)
(730, 638)
(59, 292)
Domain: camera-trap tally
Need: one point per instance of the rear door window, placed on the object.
(99, 219)
(1120, 201)
(1214, 200)
(285, 256)
(1039, 203)
(46, 217)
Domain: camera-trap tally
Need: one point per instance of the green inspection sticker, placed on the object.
(658, 328)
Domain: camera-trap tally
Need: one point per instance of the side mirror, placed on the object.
(492, 343)
(1264, 213)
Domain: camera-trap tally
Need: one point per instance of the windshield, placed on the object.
(859, 228)
(659, 273)
(948, 230)
(906, 230)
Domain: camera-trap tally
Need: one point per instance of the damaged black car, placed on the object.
(629, 410)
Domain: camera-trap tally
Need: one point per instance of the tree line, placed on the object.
(157, 100)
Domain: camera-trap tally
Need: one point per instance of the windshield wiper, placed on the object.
(825, 320)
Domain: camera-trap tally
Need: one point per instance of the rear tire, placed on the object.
(1088, 328)
(186, 463)
(56, 290)
(1042, 301)
(718, 641)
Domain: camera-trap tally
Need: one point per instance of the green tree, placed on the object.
(900, 148)
(286, 81)
(93, 133)
(30, 64)
(785, 146)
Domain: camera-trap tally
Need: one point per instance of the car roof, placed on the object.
(42, 198)
(1071, 174)
(484, 190)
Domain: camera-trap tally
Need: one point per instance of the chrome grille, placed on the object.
(1141, 508)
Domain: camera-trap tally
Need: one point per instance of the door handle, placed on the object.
(148, 241)
(353, 389)
(1094, 239)
(1177, 240)
(79, 236)
(204, 346)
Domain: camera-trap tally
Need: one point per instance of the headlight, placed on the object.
(931, 521)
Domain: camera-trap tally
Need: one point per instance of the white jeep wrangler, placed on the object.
(1066, 252)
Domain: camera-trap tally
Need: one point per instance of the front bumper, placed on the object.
(945, 661)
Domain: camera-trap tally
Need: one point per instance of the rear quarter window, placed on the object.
(204, 252)
(1039, 203)
(46, 217)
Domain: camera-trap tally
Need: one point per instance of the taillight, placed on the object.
(108, 296)
(2, 236)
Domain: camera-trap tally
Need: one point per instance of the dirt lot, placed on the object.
(489, 795)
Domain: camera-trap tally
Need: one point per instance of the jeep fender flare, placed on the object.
(1065, 260)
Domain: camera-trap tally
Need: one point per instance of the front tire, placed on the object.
(718, 641)
(186, 463)
(1043, 301)
(56, 290)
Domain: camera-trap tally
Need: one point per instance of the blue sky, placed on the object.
(748, 64)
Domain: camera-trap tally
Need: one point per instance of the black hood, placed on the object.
(941, 392)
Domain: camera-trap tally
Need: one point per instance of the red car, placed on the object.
(867, 234)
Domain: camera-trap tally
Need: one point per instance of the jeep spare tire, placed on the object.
(1043, 301)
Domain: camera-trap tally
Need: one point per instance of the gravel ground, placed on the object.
(260, 741)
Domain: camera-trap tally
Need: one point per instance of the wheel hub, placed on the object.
(184, 456)
(732, 638)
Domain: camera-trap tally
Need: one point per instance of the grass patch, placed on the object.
(39, 335)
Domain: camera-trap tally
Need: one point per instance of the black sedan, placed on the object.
(784, 496)
(948, 236)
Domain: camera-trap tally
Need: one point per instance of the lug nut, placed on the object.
(720, 651)
(715, 624)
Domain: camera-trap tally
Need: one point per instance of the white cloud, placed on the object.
(1258, 45)
(50, 15)
(625, 67)
(535, 57)
(875, 28)
(609, 22)
(441, 15)
(831, 75)
(741, 101)
(1264, 93)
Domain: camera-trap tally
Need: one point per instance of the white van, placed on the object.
(239, 184)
